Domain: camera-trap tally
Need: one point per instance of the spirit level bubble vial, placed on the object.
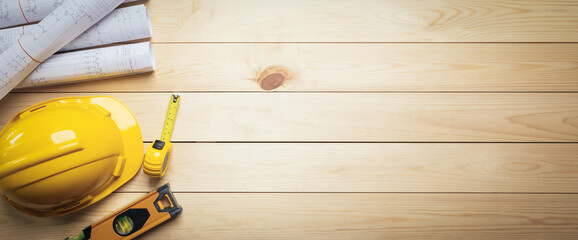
(157, 156)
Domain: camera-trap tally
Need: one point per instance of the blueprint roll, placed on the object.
(121, 25)
(55, 31)
(14, 13)
(93, 64)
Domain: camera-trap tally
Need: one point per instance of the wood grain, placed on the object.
(331, 216)
(352, 67)
(368, 167)
(347, 117)
(413, 119)
(364, 21)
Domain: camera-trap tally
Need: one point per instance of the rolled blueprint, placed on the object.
(121, 25)
(18, 12)
(92, 64)
(60, 27)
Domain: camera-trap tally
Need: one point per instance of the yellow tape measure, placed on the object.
(157, 156)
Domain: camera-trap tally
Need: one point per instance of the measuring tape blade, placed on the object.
(170, 118)
(145, 213)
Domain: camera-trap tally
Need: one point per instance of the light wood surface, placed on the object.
(364, 21)
(335, 119)
(339, 117)
(369, 167)
(353, 67)
(334, 216)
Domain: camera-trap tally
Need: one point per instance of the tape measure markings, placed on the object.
(170, 118)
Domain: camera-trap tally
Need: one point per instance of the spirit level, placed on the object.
(140, 216)
(158, 154)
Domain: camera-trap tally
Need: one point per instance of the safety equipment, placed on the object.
(65, 154)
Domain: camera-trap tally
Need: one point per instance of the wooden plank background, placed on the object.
(329, 67)
(359, 117)
(397, 120)
(334, 216)
(365, 21)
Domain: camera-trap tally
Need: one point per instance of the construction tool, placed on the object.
(145, 213)
(157, 155)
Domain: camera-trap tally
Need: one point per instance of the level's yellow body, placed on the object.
(157, 155)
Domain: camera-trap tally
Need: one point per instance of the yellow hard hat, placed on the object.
(64, 154)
